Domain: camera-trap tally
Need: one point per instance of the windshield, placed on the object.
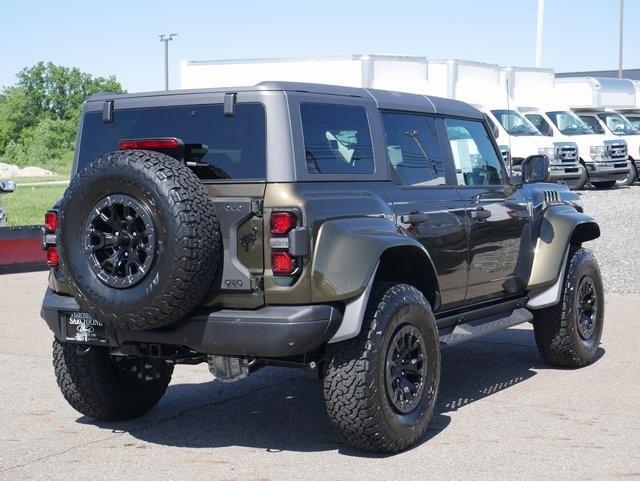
(635, 120)
(617, 124)
(569, 124)
(514, 123)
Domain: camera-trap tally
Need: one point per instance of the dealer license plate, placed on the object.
(81, 327)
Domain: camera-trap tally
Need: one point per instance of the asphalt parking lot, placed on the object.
(502, 413)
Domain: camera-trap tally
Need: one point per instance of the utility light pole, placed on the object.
(620, 32)
(540, 25)
(166, 39)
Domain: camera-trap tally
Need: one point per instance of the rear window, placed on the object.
(336, 139)
(228, 148)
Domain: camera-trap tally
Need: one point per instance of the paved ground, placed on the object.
(502, 414)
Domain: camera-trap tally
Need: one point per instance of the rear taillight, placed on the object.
(282, 263)
(53, 260)
(51, 221)
(165, 143)
(281, 223)
(49, 238)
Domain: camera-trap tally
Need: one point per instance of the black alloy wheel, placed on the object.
(120, 240)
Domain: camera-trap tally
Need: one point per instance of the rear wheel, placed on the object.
(380, 387)
(604, 185)
(106, 387)
(568, 334)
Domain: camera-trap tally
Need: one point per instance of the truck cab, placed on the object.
(513, 129)
(610, 122)
(602, 156)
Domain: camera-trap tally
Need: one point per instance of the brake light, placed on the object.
(167, 143)
(53, 259)
(51, 221)
(282, 222)
(282, 263)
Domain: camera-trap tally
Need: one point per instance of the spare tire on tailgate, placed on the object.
(138, 239)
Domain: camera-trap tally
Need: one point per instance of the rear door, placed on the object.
(497, 213)
(425, 201)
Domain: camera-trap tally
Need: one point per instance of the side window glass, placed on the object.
(593, 123)
(336, 139)
(476, 160)
(413, 148)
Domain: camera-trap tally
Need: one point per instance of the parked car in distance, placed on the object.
(6, 187)
(353, 235)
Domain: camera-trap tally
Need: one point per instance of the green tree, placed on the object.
(39, 115)
(56, 91)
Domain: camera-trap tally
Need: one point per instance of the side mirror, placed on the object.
(7, 186)
(535, 168)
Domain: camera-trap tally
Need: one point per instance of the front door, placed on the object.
(498, 215)
(424, 200)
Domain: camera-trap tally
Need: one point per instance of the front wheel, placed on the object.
(568, 334)
(105, 387)
(630, 178)
(380, 387)
(582, 180)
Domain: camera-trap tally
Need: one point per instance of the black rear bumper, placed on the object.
(272, 331)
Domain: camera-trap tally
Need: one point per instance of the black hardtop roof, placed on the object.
(384, 99)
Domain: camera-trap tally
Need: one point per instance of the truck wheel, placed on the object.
(629, 179)
(568, 334)
(582, 180)
(604, 185)
(380, 387)
(105, 387)
(138, 239)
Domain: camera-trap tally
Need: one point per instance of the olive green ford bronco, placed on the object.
(347, 231)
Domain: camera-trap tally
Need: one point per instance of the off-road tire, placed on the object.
(187, 248)
(604, 185)
(355, 390)
(556, 328)
(89, 383)
(629, 179)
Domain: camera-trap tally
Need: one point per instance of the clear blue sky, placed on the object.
(121, 37)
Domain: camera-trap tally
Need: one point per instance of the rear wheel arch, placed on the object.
(410, 265)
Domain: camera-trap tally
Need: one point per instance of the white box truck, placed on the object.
(595, 101)
(534, 94)
(633, 114)
(388, 72)
(479, 84)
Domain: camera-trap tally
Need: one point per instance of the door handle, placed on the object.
(414, 218)
(480, 213)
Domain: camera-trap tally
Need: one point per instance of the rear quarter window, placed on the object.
(336, 139)
(226, 148)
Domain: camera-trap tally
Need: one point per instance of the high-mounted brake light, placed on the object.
(167, 143)
(53, 259)
(282, 263)
(51, 221)
(282, 222)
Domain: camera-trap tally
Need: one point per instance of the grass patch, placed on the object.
(27, 205)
